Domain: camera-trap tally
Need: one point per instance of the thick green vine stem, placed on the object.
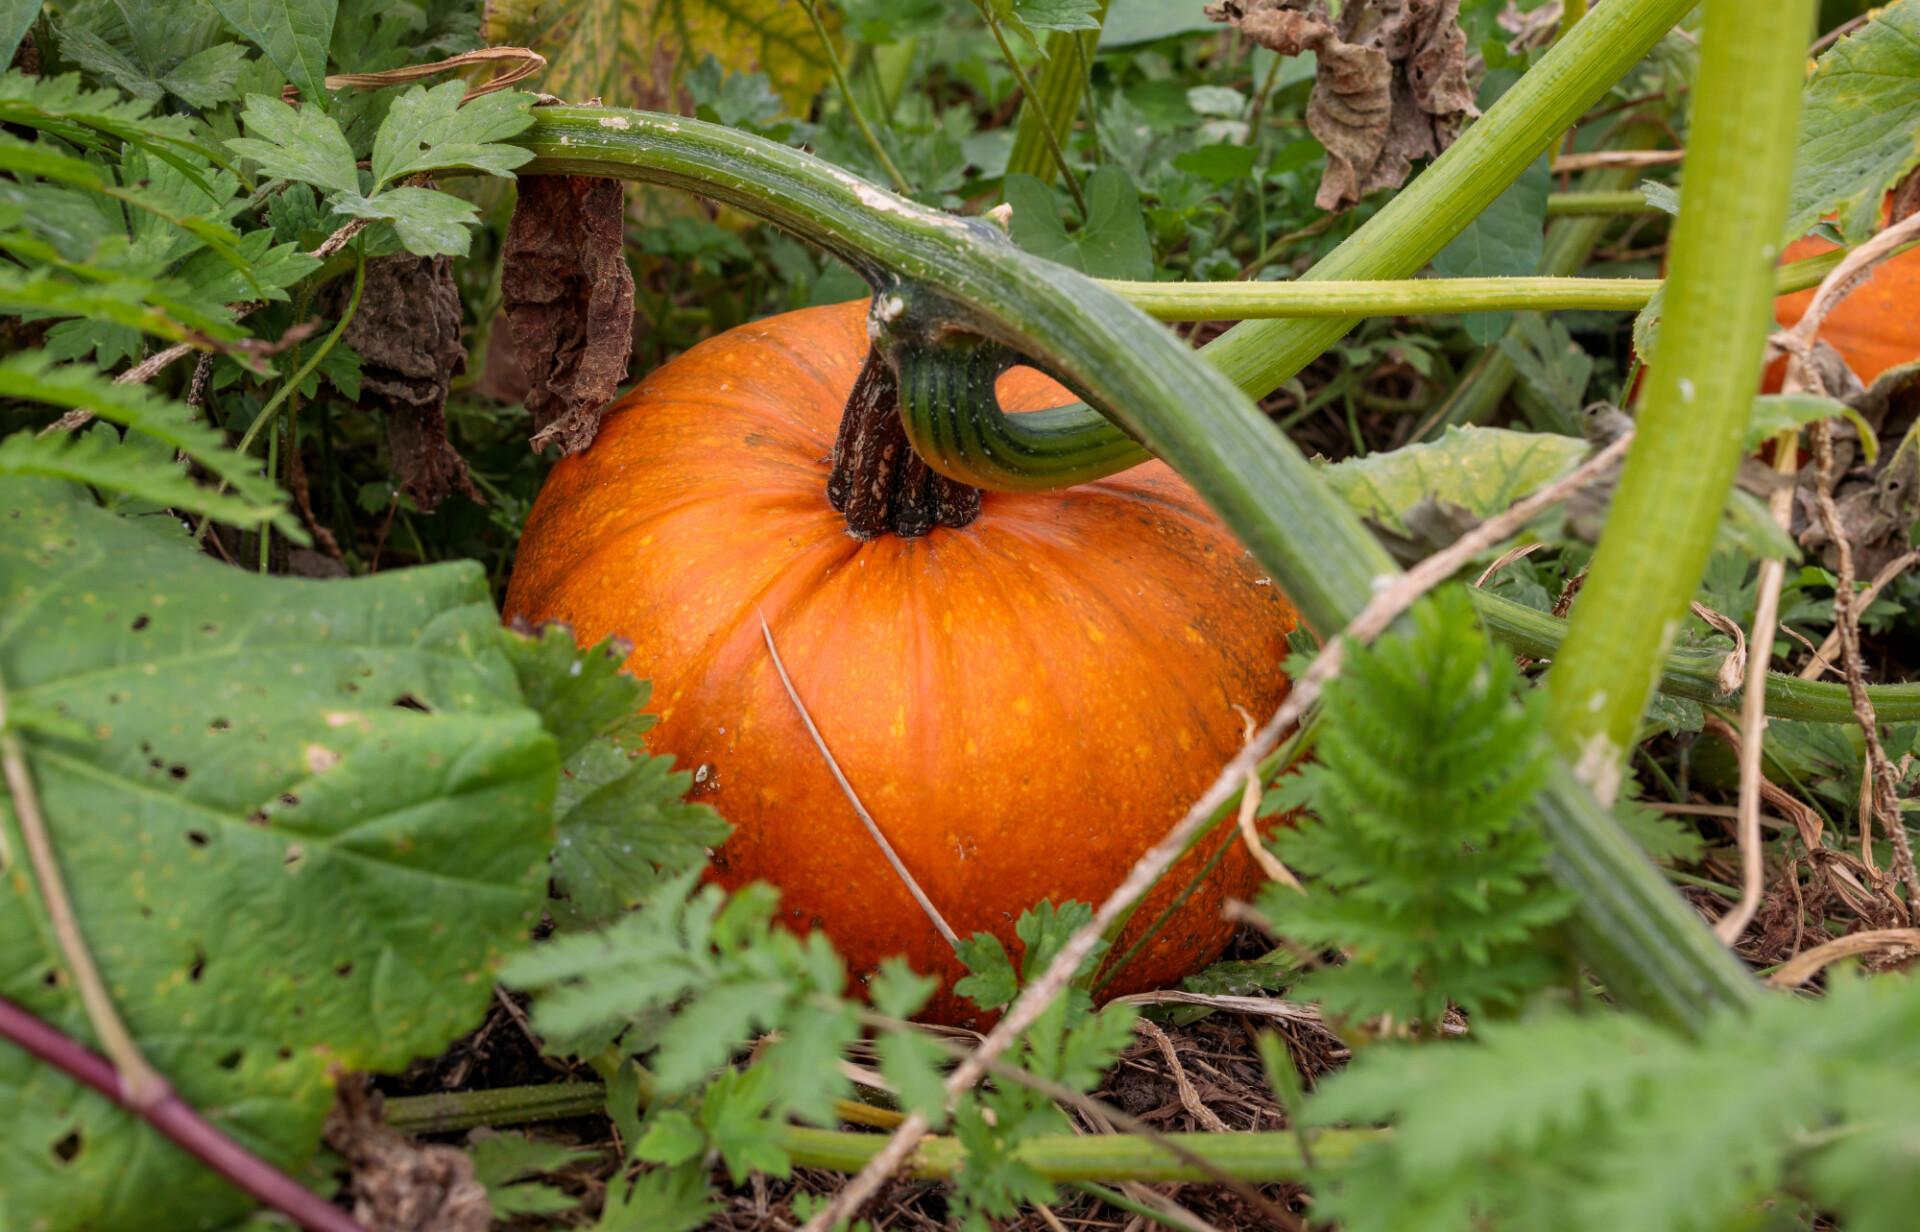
(1694, 672)
(1692, 427)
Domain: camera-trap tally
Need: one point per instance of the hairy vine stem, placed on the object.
(1693, 422)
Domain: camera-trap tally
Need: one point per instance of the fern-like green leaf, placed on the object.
(1421, 857)
(101, 460)
(1608, 1121)
(32, 377)
(98, 119)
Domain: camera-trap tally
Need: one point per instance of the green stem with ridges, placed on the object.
(1598, 204)
(1056, 96)
(1692, 428)
(1062, 1158)
(1693, 672)
(1047, 132)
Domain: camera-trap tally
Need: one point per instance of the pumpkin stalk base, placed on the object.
(878, 482)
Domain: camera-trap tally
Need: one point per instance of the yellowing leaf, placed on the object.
(631, 53)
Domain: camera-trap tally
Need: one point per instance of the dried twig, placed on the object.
(1189, 1098)
(1618, 158)
(1830, 646)
(899, 867)
(141, 1086)
(1507, 558)
(1382, 610)
(1846, 618)
(139, 374)
(1753, 702)
(1811, 963)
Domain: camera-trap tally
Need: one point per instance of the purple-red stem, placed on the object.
(183, 1126)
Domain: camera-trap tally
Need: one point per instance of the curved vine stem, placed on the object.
(1693, 421)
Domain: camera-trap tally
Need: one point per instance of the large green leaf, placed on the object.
(293, 33)
(1112, 244)
(1860, 124)
(1482, 470)
(301, 821)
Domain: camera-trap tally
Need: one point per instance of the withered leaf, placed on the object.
(407, 333)
(567, 295)
(1391, 87)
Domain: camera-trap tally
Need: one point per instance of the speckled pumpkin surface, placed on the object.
(1024, 705)
(1875, 328)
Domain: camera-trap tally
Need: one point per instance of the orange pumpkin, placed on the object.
(1875, 328)
(1024, 705)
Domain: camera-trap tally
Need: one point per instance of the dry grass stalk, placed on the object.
(1878, 941)
(1846, 612)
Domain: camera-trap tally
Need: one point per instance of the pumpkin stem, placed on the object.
(878, 481)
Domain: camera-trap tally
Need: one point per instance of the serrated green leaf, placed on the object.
(911, 1062)
(1859, 125)
(428, 130)
(262, 847)
(1554, 372)
(102, 59)
(503, 1158)
(429, 223)
(672, 1137)
(303, 144)
(274, 268)
(661, 1200)
(1219, 164)
(134, 303)
(208, 78)
(1482, 470)
(993, 982)
(293, 33)
(581, 693)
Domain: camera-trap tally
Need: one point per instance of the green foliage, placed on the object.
(1481, 470)
(94, 460)
(264, 849)
(1505, 240)
(425, 130)
(1112, 243)
(1607, 1121)
(624, 823)
(1420, 855)
(293, 33)
(503, 1162)
(1857, 125)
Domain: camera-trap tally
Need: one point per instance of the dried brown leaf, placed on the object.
(567, 296)
(398, 1186)
(1392, 83)
(407, 333)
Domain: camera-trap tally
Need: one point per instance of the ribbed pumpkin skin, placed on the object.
(1875, 328)
(1024, 705)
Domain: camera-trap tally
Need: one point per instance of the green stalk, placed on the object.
(1077, 446)
(1235, 301)
(1692, 672)
(1691, 432)
(1055, 98)
(1598, 204)
(1062, 1158)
